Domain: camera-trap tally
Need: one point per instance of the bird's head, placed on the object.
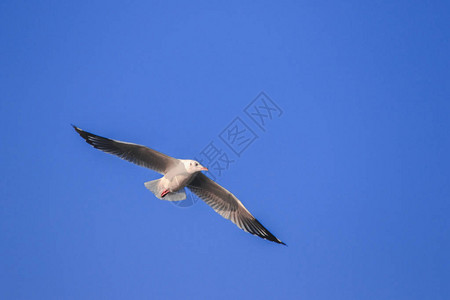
(193, 166)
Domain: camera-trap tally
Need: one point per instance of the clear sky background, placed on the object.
(353, 176)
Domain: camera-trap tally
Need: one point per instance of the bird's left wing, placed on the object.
(134, 153)
(228, 206)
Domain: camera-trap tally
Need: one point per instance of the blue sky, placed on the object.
(353, 175)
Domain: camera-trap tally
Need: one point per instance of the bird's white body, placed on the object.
(179, 176)
(175, 180)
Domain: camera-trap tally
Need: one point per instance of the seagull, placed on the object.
(178, 174)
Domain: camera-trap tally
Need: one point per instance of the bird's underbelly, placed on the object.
(175, 183)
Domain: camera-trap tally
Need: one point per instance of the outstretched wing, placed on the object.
(134, 153)
(228, 206)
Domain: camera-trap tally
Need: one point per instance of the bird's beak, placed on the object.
(204, 169)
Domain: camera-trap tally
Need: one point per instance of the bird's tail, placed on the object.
(156, 189)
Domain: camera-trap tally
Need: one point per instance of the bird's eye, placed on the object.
(196, 164)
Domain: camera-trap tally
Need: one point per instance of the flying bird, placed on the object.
(178, 174)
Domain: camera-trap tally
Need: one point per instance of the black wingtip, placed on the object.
(76, 128)
(280, 242)
(277, 241)
(82, 133)
(268, 235)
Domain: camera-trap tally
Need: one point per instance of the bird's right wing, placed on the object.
(134, 153)
(228, 206)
